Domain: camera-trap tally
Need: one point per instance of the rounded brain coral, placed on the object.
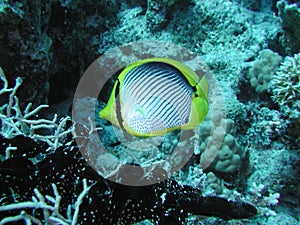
(228, 156)
(263, 69)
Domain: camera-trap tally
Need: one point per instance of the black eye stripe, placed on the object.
(118, 104)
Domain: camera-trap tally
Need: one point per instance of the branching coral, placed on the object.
(26, 122)
(286, 82)
(50, 210)
(264, 202)
(286, 92)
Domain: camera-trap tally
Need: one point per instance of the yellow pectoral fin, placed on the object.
(198, 113)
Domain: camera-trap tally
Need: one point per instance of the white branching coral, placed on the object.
(17, 122)
(50, 207)
(258, 194)
(263, 202)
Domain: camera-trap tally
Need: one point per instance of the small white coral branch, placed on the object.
(55, 140)
(8, 150)
(79, 201)
(256, 189)
(272, 199)
(5, 83)
(263, 202)
(50, 210)
(12, 95)
(28, 219)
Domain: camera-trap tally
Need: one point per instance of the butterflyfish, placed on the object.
(154, 96)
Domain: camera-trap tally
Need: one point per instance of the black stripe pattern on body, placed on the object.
(155, 96)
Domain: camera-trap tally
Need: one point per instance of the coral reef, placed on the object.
(156, 14)
(53, 42)
(266, 126)
(99, 200)
(29, 46)
(290, 19)
(49, 45)
(74, 169)
(40, 202)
